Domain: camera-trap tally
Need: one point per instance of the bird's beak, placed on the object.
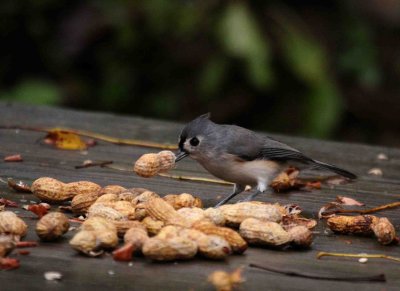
(180, 156)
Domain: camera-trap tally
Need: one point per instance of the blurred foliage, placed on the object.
(321, 69)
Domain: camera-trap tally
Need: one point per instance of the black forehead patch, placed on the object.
(182, 140)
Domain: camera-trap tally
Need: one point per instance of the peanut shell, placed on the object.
(268, 233)
(52, 226)
(237, 243)
(177, 248)
(235, 214)
(166, 160)
(10, 223)
(183, 200)
(147, 165)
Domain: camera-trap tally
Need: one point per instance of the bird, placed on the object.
(241, 156)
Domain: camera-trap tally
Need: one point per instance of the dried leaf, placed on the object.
(9, 263)
(24, 252)
(19, 186)
(26, 244)
(7, 202)
(64, 140)
(39, 209)
(330, 205)
(348, 201)
(13, 158)
(124, 253)
(289, 221)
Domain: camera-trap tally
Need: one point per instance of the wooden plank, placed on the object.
(83, 273)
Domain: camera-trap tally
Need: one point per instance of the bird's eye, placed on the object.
(194, 141)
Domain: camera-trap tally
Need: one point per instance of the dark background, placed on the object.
(325, 69)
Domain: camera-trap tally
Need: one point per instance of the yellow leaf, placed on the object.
(65, 140)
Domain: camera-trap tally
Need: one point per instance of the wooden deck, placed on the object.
(82, 273)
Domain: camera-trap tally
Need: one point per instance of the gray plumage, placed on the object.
(241, 156)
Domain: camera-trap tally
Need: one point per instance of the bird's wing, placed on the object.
(282, 154)
(251, 146)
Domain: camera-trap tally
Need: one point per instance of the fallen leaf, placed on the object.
(329, 206)
(7, 202)
(64, 140)
(24, 252)
(313, 185)
(39, 209)
(13, 158)
(26, 244)
(18, 186)
(289, 221)
(124, 253)
(9, 263)
(348, 201)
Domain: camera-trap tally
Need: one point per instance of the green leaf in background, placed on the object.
(34, 92)
(361, 55)
(309, 62)
(242, 37)
(323, 108)
(212, 77)
(305, 57)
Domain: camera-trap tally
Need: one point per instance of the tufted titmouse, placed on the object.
(241, 156)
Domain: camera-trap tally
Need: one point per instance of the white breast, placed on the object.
(257, 172)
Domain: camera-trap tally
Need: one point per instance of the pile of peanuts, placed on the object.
(173, 227)
(138, 221)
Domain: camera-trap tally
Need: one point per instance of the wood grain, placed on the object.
(81, 273)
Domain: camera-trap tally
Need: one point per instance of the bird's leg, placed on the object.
(252, 196)
(236, 190)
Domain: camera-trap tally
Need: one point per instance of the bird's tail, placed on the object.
(334, 169)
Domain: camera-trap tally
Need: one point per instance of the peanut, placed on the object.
(11, 224)
(136, 236)
(301, 236)
(52, 226)
(100, 210)
(153, 226)
(52, 190)
(104, 230)
(210, 246)
(237, 243)
(360, 224)
(158, 209)
(183, 200)
(176, 248)
(150, 165)
(235, 214)
(223, 281)
(266, 233)
(384, 231)
(147, 165)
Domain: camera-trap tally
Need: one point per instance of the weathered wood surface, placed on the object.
(81, 273)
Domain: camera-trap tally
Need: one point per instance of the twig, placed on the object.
(114, 140)
(196, 179)
(371, 256)
(94, 164)
(176, 177)
(365, 211)
(374, 278)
